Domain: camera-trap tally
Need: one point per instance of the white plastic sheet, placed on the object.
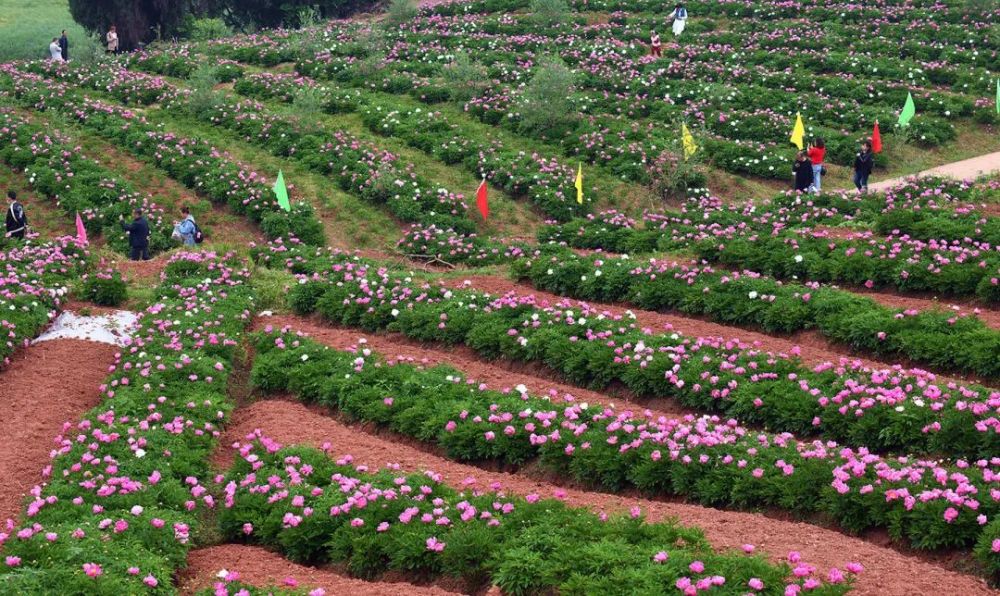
(114, 328)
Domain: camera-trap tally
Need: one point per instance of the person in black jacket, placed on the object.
(17, 219)
(64, 46)
(803, 172)
(863, 164)
(138, 236)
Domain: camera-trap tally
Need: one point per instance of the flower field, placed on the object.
(493, 300)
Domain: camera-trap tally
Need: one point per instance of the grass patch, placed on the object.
(349, 222)
(28, 26)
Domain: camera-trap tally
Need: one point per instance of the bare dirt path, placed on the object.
(968, 169)
(36, 398)
(888, 572)
(259, 567)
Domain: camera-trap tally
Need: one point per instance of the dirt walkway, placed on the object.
(968, 169)
(888, 572)
(36, 398)
(262, 568)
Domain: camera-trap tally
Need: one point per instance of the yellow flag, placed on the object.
(579, 184)
(799, 132)
(690, 148)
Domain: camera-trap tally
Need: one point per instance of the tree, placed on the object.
(259, 14)
(136, 20)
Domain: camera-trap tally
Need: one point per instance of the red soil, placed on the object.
(988, 315)
(35, 400)
(499, 375)
(259, 567)
(147, 271)
(888, 572)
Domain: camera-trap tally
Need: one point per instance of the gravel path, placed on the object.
(968, 169)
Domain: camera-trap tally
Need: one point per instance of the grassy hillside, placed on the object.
(28, 26)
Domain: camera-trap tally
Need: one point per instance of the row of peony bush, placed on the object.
(54, 167)
(545, 182)
(945, 267)
(196, 164)
(882, 409)
(120, 504)
(35, 279)
(931, 505)
(936, 338)
(441, 226)
(315, 509)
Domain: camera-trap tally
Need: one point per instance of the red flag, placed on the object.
(81, 232)
(481, 200)
(876, 140)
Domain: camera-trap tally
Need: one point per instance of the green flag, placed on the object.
(281, 192)
(909, 110)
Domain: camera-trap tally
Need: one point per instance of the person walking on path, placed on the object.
(112, 39)
(817, 154)
(803, 171)
(64, 46)
(186, 228)
(679, 16)
(17, 219)
(138, 236)
(863, 164)
(55, 52)
(655, 45)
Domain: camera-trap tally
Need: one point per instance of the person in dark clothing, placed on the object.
(17, 219)
(64, 46)
(863, 164)
(138, 236)
(803, 170)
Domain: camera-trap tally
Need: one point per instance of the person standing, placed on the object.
(138, 236)
(679, 16)
(55, 51)
(803, 171)
(17, 219)
(817, 155)
(863, 164)
(655, 45)
(186, 228)
(112, 39)
(64, 46)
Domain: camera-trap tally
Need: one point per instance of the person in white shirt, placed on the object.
(112, 39)
(679, 16)
(55, 51)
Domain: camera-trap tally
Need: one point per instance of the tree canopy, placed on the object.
(136, 20)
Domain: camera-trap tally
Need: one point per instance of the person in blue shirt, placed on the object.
(186, 227)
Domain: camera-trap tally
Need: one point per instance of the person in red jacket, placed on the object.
(817, 153)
